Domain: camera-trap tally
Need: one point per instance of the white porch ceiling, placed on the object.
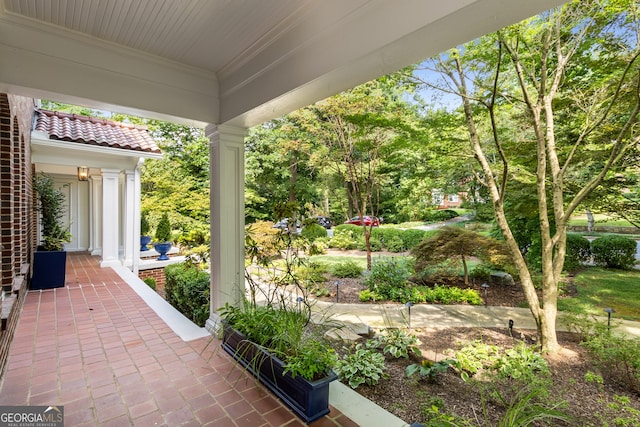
(227, 61)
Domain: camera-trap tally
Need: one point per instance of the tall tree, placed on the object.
(278, 168)
(358, 127)
(580, 62)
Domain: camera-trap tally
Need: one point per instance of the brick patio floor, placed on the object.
(95, 347)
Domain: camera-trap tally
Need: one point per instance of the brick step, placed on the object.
(24, 269)
(18, 282)
(6, 308)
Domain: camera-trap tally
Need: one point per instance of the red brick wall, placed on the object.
(156, 273)
(16, 116)
(17, 215)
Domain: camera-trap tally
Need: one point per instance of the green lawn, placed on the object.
(361, 260)
(600, 288)
(602, 220)
(332, 260)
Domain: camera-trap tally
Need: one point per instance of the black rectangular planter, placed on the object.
(309, 400)
(49, 268)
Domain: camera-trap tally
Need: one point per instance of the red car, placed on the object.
(367, 221)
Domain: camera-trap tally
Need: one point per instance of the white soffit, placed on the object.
(45, 150)
(216, 61)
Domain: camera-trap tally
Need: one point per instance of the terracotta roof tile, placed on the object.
(94, 131)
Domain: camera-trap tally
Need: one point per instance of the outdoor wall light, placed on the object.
(609, 311)
(83, 173)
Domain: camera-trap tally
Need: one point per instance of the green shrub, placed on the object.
(440, 215)
(144, 224)
(388, 277)
(617, 357)
(578, 252)
(312, 273)
(485, 212)
(187, 289)
(318, 246)
(151, 282)
(374, 244)
(386, 234)
(163, 229)
(347, 269)
(413, 236)
(395, 244)
(441, 295)
(196, 235)
(343, 239)
(356, 230)
(368, 295)
(312, 232)
(481, 273)
(363, 366)
(522, 362)
(614, 251)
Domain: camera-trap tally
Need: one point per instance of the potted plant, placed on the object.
(162, 243)
(276, 345)
(145, 238)
(274, 338)
(49, 259)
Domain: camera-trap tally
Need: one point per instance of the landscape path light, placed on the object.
(409, 304)
(609, 310)
(485, 286)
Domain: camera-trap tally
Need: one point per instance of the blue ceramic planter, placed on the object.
(49, 268)
(144, 243)
(162, 249)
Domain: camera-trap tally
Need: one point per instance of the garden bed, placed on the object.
(413, 399)
(349, 289)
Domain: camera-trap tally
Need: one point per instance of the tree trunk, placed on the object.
(326, 201)
(466, 271)
(547, 327)
(367, 242)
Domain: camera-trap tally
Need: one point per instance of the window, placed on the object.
(437, 197)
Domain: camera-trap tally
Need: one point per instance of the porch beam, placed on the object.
(52, 63)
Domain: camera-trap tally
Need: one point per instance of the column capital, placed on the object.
(110, 172)
(228, 133)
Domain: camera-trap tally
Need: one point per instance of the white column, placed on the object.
(137, 201)
(110, 217)
(96, 215)
(227, 217)
(130, 225)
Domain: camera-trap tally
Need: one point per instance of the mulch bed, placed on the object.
(411, 398)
